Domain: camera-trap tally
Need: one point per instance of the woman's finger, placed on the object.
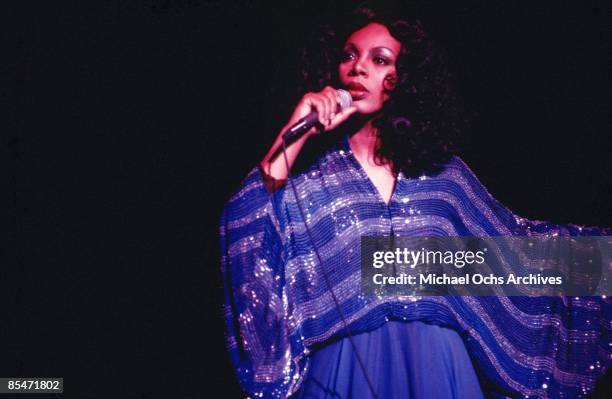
(341, 117)
(331, 97)
(323, 111)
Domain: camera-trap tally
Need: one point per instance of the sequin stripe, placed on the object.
(287, 371)
(513, 356)
(481, 216)
(301, 245)
(474, 225)
(323, 213)
(243, 207)
(299, 374)
(244, 245)
(249, 336)
(227, 311)
(508, 267)
(345, 290)
(261, 290)
(325, 194)
(422, 225)
(253, 181)
(460, 170)
(555, 321)
(262, 211)
(312, 303)
(529, 320)
(273, 368)
(236, 227)
(263, 359)
(330, 174)
(259, 213)
(271, 373)
(339, 325)
(236, 251)
(336, 181)
(296, 265)
(477, 229)
(564, 333)
(330, 250)
(324, 183)
(346, 236)
(572, 379)
(329, 187)
(581, 302)
(544, 363)
(585, 303)
(230, 342)
(419, 228)
(458, 202)
(338, 205)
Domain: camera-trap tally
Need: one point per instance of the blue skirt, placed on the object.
(408, 360)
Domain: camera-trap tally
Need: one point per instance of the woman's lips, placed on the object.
(357, 90)
(357, 94)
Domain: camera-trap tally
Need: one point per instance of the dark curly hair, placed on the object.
(419, 125)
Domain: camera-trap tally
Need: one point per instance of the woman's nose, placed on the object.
(359, 68)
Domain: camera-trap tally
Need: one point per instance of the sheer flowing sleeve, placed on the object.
(255, 307)
(544, 346)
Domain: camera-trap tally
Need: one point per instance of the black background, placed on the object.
(130, 123)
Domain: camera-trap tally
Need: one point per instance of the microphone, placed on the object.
(303, 125)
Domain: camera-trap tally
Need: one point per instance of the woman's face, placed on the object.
(368, 58)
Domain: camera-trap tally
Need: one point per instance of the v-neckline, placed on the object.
(367, 178)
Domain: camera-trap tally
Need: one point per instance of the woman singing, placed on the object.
(298, 324)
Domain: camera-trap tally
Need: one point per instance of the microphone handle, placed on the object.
(301, 127)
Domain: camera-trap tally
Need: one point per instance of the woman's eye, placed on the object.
(381, 61)
(347, 56)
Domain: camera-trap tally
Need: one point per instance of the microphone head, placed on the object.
(345, 99)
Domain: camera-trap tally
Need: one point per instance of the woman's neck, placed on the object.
(364, 142)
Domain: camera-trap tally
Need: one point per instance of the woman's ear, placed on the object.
(389, 83)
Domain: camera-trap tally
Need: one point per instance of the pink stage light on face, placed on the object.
(367, 69)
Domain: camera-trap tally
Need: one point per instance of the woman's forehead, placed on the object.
(374, 35)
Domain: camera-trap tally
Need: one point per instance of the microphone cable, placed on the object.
(326, 278)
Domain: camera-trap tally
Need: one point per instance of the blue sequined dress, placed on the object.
(281, 320)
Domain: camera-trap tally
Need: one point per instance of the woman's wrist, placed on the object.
(270, 182)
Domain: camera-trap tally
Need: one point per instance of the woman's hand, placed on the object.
(326, 103)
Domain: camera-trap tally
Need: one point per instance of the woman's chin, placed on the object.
(366, 109)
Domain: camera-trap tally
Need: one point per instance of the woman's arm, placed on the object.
(252, 268)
